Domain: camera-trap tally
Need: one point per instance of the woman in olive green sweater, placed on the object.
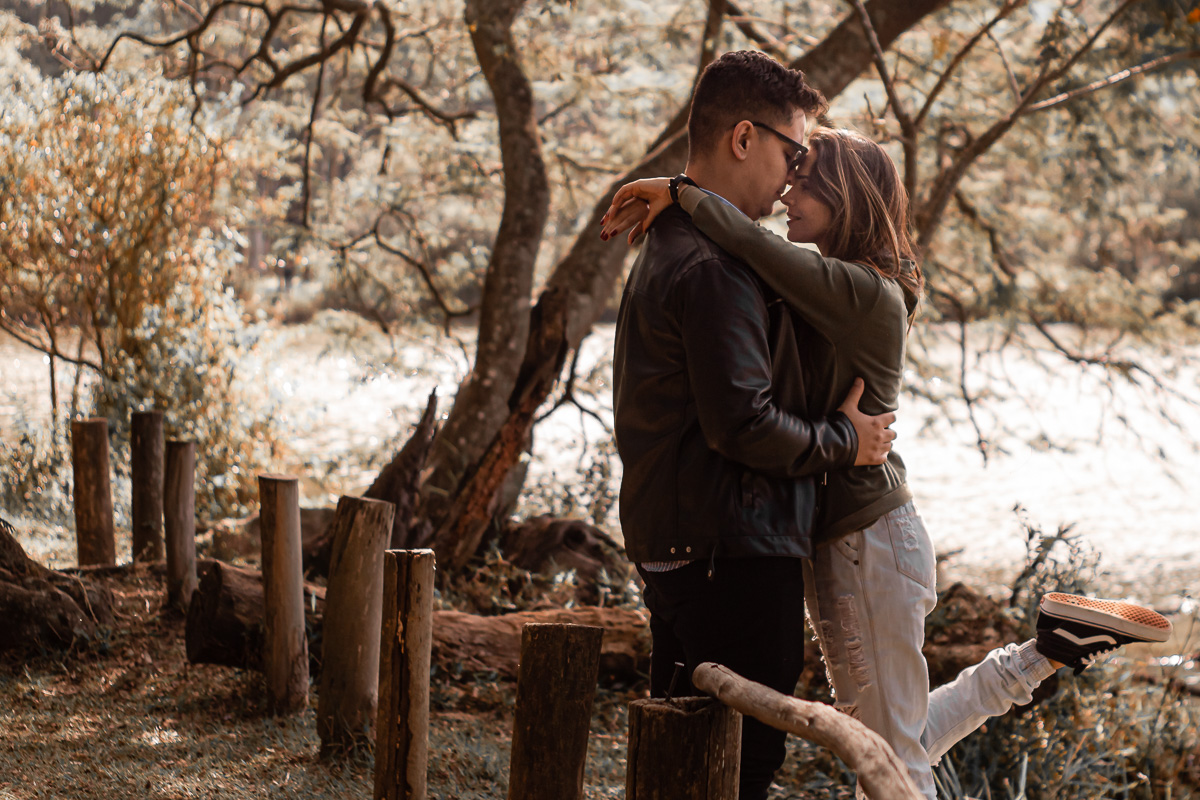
(870, 585)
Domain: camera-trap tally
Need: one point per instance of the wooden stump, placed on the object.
(180, 522)
(147, 481)
(353, 615)
(687, 748)
(285, 652)
(95, 540)
(556, 683)
(880, 771)
(402, 732)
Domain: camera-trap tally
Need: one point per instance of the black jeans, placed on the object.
(748, 617)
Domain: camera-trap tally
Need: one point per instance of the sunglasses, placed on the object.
(799, 150)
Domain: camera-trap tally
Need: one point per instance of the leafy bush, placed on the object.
(116, 203)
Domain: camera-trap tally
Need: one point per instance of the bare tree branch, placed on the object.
(745, 23)
(708, 51)
(1008, 70)
(908, 128)
(306, 192)
(1114, 79)
(1005, 10)
(929, 215)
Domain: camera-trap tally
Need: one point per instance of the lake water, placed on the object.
(1067, 445)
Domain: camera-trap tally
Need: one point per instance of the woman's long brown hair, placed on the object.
(859, 182)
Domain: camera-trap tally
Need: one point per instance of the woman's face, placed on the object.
(809, 219)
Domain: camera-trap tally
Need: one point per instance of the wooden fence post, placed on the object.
(285, 648)
(179, 518)
(94, 535)
(346, 703)
(686, 748)
(880, 771)
(556, 682)
(406, 642)
(147, 479)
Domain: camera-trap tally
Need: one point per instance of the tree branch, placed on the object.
(765, 41)
(1112, 80)
(943, 79)
(908, 128)
(929, 217)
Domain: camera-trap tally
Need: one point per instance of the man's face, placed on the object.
(768, 167)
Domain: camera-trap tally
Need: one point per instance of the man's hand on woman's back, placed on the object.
(874, 435)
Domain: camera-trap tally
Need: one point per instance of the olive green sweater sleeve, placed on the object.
(832, 295)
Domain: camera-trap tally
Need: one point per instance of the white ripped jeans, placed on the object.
(867, 595)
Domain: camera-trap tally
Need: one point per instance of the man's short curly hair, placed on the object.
(747, 84)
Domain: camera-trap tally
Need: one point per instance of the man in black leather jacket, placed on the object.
(720, 461)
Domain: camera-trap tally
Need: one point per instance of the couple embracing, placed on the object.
(754, 383)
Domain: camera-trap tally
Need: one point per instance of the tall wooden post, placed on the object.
(688, 748)
(406, 642)
(146, 467)
(353, 614)
(179, 517)
(94, 535)
(556, 682)
(285, 648)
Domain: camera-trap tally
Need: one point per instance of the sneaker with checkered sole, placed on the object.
(1078, 630)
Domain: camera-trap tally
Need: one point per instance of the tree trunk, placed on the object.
(146, 466)
(590, 269)
(399, 482)
(354, 611)
(687, 748)
(508, 285)
(463, 527)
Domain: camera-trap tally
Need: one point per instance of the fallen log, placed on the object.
(43, 609)
(224, 626)
(472, 643)
(225, 618)
(227, 629)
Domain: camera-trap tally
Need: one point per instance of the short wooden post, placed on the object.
(346, 704)
(179, 518)
(94, 535)
(147, 476)
(406, 642)
(556, 682)
(687, 748)
(881, 773)
(285, 648)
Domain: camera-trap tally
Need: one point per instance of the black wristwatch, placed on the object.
(673, 186)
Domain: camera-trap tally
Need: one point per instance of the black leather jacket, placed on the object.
(706, 360)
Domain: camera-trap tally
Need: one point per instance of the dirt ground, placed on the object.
(131, 718)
